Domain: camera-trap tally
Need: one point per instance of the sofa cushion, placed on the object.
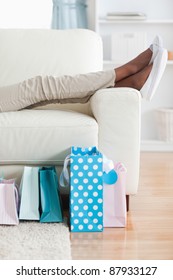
(25, 53)
(37, 136)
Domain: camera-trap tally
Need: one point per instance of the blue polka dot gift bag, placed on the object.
(86, 190)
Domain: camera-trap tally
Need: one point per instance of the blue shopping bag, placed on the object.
(89, 171)
(51, 209)
(86, 189)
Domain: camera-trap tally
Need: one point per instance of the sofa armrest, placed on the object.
(117, 111)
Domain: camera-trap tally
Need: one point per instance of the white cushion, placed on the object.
(26, 53)
(34, 136)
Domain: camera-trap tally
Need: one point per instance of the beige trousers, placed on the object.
(42, 90)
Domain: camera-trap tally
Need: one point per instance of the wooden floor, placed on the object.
(149, 231)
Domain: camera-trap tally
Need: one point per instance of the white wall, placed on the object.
(25, 13)
(154, 9)
(35, 13)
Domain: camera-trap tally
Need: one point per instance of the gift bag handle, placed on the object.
(120, 167)
(16, 197)
(64, 179)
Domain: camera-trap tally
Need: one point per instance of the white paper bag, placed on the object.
(8, 204)
(29, 194)
(114, 200)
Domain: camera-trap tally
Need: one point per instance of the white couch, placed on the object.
(41, 136)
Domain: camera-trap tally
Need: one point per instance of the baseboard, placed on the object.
(156, 146)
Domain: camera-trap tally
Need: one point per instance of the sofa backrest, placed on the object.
(26, 53)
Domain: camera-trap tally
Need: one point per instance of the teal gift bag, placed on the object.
(51, 210)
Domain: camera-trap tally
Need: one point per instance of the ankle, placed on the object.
(140, 78)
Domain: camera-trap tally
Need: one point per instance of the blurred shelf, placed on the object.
(111, 62)
(166, 21)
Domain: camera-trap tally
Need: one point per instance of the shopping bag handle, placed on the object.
(64, 179)
(108, 164)
(120, 167)
(16, 193)
(108, 168)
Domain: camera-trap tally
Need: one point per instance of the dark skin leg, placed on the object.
(133, 66)
(137, 80)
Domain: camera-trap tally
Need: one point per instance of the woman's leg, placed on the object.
(67, 89)
(64, 89)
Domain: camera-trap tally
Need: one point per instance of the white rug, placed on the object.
(34, 240)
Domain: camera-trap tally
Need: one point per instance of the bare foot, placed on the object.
(133, 66)
(137, 80)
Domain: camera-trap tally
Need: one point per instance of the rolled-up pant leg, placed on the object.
(64, 89)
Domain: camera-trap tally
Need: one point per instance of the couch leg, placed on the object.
(127, 202)
(65, 201)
